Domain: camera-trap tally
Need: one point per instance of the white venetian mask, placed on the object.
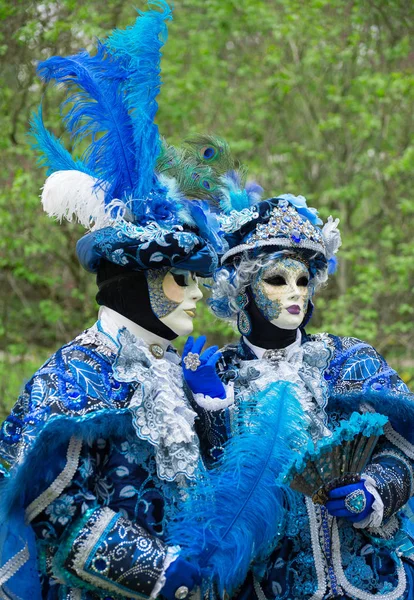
(173, 296)
(282, 291)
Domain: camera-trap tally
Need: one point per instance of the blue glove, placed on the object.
(347, 502)
(204, 379)
(180, 573)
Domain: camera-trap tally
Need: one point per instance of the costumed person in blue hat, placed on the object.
(102, 444)
(337, 530)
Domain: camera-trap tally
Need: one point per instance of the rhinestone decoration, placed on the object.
(182, 592)
(192, 361)
(244, 324)
(274, 356)
(156, 350)
(356, 501)
(285, 222)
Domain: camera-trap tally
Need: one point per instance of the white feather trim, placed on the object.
(72, 195)
(331, 236)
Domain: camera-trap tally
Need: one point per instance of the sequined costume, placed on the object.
(317, 556)
(298, 551)
(110, 440)
(101, 444)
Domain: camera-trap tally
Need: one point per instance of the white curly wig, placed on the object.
(232, 280)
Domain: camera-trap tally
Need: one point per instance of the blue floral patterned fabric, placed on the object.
(101, 535)
(318, 557)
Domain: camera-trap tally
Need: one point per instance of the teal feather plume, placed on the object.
(235, 512)
(139, 49)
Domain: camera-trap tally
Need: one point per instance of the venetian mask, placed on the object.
(281, 291)
(173, 296)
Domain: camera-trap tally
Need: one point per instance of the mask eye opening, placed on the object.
(303, 281)
(180, 279)
(276, 280)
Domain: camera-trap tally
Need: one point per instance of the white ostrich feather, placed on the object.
(74, 196)
(331, 236)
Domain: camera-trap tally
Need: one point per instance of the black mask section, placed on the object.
(264, 334)
(126, 291)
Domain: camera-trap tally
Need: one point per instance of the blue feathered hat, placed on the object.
(145, 204)
(281, 223)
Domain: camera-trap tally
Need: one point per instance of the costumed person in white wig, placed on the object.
(101, 445)
(311, 466)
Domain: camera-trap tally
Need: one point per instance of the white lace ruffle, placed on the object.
(161, 412)
(211, 404)
(303, 366)
(172, 554)
(374, 519)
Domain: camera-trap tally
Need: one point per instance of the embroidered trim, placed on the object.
(316, 549)
(398, 440)
(14, 564)
(405, 462)
(103, 522)
(58, 485)
(75, 594)
(351, 589)
(279, 242)
(258, 589)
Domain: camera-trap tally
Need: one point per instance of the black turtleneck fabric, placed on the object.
(264, 334)
(126, 291)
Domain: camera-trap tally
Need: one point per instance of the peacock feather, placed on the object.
(212, 151)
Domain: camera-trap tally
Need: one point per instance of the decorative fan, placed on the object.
(338, 460)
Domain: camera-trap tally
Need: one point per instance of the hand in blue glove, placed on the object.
(204, 379)
(180, 573)
(346, 502)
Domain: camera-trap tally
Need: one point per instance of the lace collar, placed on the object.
(161, 413)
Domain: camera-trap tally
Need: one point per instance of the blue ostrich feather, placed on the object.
(139, 49)
(111, 102)
(51, 151)
(96, 111)
(235, 512)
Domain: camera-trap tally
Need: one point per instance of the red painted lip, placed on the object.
(294, 309)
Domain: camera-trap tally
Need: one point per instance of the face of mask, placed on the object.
(281, 292)
(173, 296)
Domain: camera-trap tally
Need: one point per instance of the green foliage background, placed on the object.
(315, 97)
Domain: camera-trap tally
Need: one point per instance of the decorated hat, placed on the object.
(281, 223)
(144, 203)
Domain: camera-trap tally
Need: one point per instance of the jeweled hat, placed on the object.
(284, 222)
(146, 204)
